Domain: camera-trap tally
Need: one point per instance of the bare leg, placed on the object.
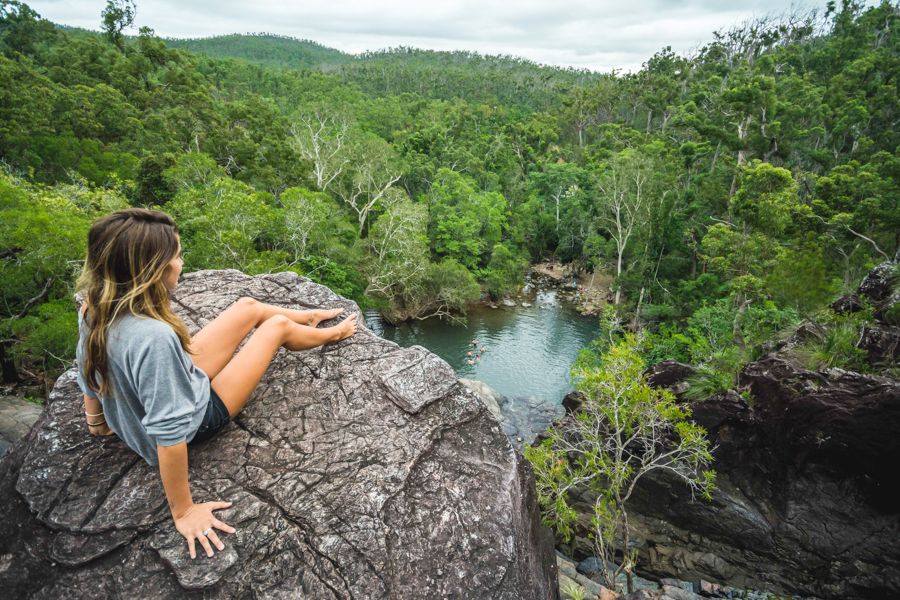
(214, 345)
(236, 381)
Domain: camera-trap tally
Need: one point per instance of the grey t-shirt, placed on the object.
(158, 396)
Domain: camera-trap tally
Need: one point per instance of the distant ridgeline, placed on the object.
(266, 49)
(728, 194)
(433, 74)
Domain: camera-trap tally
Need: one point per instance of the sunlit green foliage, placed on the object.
(43, 234)
(624, 430)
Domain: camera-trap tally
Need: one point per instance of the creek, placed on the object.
(528, 350)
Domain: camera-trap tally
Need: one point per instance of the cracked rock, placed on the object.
(357, 470)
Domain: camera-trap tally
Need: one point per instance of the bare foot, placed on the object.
(346, 328)
(317, 316)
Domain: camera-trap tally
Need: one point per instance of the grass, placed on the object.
(837, 346)
(719, 374)
(574, 591)
(708, 382)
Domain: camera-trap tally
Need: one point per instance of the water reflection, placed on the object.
(528, 350)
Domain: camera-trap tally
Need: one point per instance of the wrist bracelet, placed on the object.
(103, 422)
(99, 414)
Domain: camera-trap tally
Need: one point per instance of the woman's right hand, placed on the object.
(196, 520)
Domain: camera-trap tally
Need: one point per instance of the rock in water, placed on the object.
(486, 394)
(357, 470)
(523, 419)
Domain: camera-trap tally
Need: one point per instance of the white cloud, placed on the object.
(598, 35)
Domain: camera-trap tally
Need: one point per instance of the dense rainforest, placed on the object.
(730, 193)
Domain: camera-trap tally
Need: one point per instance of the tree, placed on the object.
(766, 199)
(624, 431)
(463, 222)
(321, 137)
(224, 224)
(373, 169)
(43, 234)
(860, 208)
(398, 246)
(116, 17)
(750, 99)
(21, 28)
(746, 247)
(556, 183)
(659, 85)
(448, 288)
(622, 201)
(308, 219)
(504, 271)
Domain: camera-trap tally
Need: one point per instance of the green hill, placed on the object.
(265, 49)
(474, 77)
(433, 74)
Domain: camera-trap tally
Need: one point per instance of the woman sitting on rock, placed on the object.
(147, 380)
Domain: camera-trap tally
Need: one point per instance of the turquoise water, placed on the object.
(528, 350)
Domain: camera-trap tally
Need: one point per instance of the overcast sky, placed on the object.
(593, 34)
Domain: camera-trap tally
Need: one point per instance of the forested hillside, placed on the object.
(265, 49)
(730, 193)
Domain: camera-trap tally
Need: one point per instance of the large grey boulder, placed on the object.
(17, 415)
(491, 398)
(357, 470)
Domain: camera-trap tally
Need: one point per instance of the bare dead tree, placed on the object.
(321, 138)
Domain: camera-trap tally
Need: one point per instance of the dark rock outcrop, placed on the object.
(357, 470)
(572, 401)
(807, 499)
(882, 345)
(879, 286)
(807, 465)
(847, 304)
(880, 289)
(672, 375)
(669, 373)
(807, 488)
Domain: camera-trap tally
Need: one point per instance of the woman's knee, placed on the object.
(247, 302)
(279, 325)
(250, 306)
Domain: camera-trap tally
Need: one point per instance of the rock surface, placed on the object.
(357, 470)
(491, 398)
(523, 418)
(17, 415)
(881, 290)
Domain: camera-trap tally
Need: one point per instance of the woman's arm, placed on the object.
(193, 521)
(93, 415)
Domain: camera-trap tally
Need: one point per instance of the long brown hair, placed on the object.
(128, 251)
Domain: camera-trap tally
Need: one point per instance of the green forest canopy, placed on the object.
(757, 177)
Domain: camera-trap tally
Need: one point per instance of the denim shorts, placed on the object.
(214, 420)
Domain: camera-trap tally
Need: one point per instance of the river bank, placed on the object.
(588, 292)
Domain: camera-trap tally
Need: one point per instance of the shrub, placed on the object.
(624, 430)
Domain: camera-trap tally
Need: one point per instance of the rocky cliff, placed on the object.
(807, 466)
(357, 470)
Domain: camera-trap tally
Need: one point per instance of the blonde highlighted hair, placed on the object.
(128, 252)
